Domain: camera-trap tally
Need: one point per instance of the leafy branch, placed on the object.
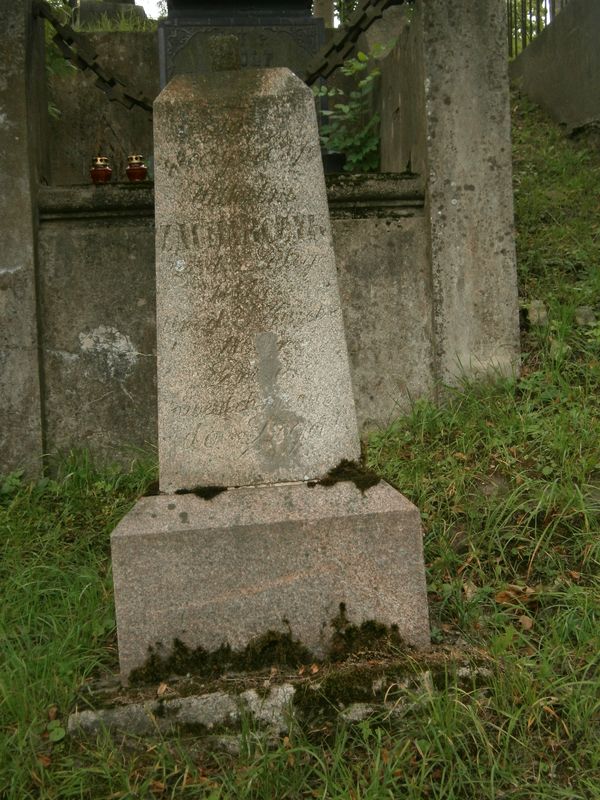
(349, 126)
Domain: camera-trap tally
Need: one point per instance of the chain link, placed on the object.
(342, 46)
(329, 58)
(78, 52)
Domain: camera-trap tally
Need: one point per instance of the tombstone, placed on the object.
(272, 33)
(255, 398)
(91, 11)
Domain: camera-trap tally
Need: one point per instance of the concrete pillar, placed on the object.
(469, 195)
(21, 438)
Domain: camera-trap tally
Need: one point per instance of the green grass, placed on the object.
(507, 476)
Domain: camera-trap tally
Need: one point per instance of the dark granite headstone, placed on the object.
(272, 33)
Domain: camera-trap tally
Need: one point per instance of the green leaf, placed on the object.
(57, 734)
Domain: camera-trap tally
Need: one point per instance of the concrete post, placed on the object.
(469, 200)
(20, 397)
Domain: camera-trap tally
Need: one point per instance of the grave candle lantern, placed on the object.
(136, 169)
(100, 171)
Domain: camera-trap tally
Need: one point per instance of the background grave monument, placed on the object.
(91, 11)
(272, 33)
(254, 393)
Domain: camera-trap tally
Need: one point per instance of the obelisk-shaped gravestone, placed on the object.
(253, 374)
(254, 393)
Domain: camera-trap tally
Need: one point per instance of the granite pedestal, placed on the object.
(271, 558)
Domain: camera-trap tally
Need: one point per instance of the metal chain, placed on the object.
(333, 55)
(329, 58)
(75, 50)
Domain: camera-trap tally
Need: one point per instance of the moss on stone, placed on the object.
(205, 492)
(273, 648)
(350, 471)
(370, 635)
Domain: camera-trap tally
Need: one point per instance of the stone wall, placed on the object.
(380, 238)
(560, 69)
(426, 264)
(97, 307)
(97, 318)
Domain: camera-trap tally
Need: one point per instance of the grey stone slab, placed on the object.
(272, 558)
(253, 374)
(142, 719)
(274, 710)
(386, 290)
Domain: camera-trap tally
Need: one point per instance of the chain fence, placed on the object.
(344, 41)
(526, 19)
(79, 53)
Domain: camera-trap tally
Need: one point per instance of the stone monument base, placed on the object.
(269, 558)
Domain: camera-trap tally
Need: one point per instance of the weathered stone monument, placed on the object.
(255, 399)
(91, 11)
(272, 33)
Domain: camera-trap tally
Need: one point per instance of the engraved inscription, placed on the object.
(267, 231)
(253, 381)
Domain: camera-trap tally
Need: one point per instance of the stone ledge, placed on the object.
(377, 194)
(349, 195)
(81, 202)
(217, 710)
